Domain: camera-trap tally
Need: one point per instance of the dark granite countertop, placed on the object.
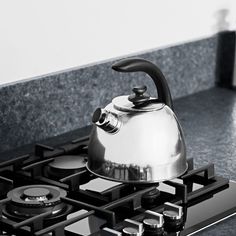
(209, 123)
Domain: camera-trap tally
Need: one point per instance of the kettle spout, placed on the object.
(107, 121)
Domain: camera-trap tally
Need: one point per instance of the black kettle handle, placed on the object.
(139, 64)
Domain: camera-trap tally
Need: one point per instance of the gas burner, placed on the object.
(63, 166)
(36, 195)
(31, 200)
(69, 162)
(149, 199)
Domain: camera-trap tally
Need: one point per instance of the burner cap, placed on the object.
(68, 162)
(36, 194)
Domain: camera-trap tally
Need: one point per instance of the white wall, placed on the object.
(39, 37)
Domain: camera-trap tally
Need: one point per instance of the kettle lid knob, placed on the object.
(139, 97)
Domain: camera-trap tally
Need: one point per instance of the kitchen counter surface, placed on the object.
(208, 119)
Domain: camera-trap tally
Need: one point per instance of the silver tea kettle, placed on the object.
(137, 139)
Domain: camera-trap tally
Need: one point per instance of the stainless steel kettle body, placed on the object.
(138, 139)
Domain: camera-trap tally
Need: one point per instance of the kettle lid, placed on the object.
(139, 101)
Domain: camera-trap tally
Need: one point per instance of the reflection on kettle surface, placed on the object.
(128, 172)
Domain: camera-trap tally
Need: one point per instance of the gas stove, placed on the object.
(51, 192)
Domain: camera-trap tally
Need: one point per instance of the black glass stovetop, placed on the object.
(200, 214)
(92, 203)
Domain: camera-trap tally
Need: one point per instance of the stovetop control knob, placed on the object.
(129, 231)
(110, 232)
(153, 223)
(132, 228)
(172, 211)
(173, 215)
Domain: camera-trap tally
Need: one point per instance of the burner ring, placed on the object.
(63, 166)
(15, 213)
(28, 201)
(36, 195)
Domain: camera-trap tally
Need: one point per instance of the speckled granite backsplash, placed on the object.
(53, 104)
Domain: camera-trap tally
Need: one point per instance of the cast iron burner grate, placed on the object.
(33, 203)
